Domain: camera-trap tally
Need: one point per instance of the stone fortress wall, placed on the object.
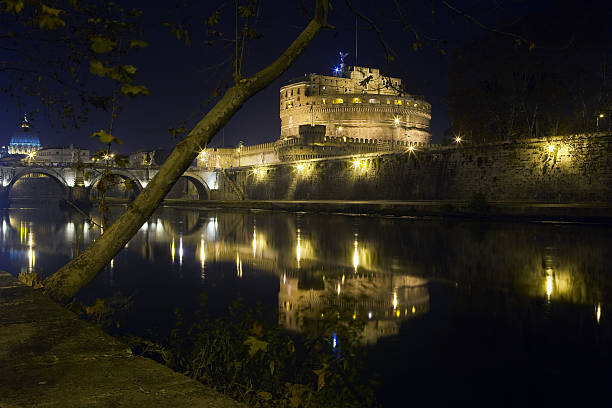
(574, 168)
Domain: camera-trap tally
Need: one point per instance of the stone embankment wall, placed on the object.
(575, 168)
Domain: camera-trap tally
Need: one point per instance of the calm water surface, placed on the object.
(479, 313)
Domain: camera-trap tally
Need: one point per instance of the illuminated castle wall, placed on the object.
(356, 111)
(358, 103)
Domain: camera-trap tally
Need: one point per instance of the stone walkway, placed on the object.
(50, 358)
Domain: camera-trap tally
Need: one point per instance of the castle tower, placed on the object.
(359, 103)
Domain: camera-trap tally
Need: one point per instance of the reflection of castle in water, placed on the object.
(382, 300)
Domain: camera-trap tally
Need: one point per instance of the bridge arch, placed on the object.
(124, 174)
(197, 181)
(53, 174)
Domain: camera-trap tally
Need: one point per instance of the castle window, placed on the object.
(298, 91)
(289, 105)
(338, 100)
(388, 101)
(323, 101)
(372, 100)
(416, 104)
(397, 102)
(356, 100)
(292, 92)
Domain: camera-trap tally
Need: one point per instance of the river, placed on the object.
(453, 311)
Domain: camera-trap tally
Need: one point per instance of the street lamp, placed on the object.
(458, 139)
(600, 116)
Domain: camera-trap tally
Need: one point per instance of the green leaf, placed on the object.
(255, 345)
(138, 44)
(101, 45)
(49, 22)
(97, 68)
(129, 69)
(321, 372)
(106, 137)
(264, 395)
(134, 90)
(13, 6)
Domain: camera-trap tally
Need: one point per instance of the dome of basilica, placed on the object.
(24, 140)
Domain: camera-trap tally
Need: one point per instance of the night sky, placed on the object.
(181, 79)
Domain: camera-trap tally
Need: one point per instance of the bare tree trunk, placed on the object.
(64, 284)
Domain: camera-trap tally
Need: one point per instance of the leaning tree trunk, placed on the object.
(64, 284)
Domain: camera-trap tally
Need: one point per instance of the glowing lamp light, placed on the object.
(411, 149)
(551, 148)
(340, 128)
(601, 115)
(106, 157)
(458, 139)
(396, 120)
(301, 167)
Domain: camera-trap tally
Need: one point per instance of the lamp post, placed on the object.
(599, 116)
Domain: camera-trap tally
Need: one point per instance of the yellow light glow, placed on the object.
(202, 254)
(394, 302)
(413, 310)
(551, 148)
(338, 289)
(301, 167)
(549, 286)
(355, 255)
(411, 149)
(340, 128)
(254, 243)
(354, 316)
(106, 157)
(601, 115)
(397, 313)
(31, 154)
(458, 139)
(396, 120)
(238, 266)
(298, 249)
(172, 250)
(598, 312)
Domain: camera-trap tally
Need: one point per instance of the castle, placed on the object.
(355, 111)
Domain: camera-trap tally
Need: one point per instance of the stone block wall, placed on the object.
(576, 168)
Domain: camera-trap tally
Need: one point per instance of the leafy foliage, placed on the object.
(250, 358)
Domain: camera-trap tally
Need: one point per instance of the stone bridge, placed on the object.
(74, 183)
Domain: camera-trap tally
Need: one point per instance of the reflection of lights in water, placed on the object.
(31, 252)
(334, 341)
(343, 279)
(394, 300)
(397, 313)
(145, 227)
(70, 230)
(158, 225)
(598, 312)
(202, 256)
(549, 286)
(180, 250)
(369, 315)
(338, 289)
(354, 316)
(284, 278)
(413, 310)
(298, 248)
(172, 250)
(238, 266)
(112, 263)
(355, 254)
(254, 240)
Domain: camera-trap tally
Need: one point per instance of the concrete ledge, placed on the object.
(508, 210)
(50, 358)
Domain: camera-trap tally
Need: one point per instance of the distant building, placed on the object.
(358, 103)
(24, 140)
(62, 154)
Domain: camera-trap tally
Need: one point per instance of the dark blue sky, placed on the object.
(181, 80)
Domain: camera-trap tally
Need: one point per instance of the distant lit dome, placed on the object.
(25, 139)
